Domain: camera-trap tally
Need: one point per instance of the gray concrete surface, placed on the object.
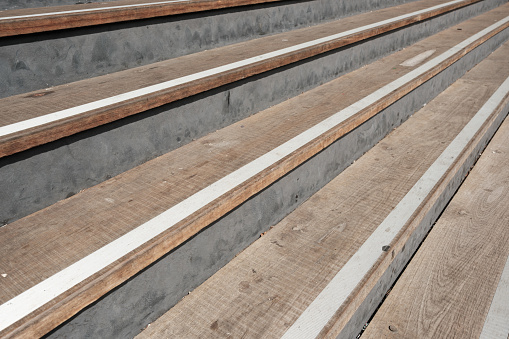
(143, 298)
(37, 61)
(39, 177)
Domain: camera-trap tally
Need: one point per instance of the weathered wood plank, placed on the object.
(265, 289)
(448, 287)
(101, 215)
(43, 19)
(94, 102)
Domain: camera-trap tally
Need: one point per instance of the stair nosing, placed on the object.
(17, 137)
(319, 145)
(494, 109)
(322, 309)
(51, 20)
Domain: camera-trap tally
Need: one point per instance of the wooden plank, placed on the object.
(448, 287)
(496, 325)
(44, 19)
(266, 288)
(136, 197)
(69, 109)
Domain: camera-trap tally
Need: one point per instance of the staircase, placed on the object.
(268, 169)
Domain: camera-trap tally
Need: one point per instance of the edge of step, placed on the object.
(23, 135)
(26, 21)
(466, 246)
(31, 62)
(353, 294)
(417, 225)
(71, 164)
(211, 209)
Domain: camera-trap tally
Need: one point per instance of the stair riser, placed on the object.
(39, 177)
(160, 286)
(407, 250)
(33, 62)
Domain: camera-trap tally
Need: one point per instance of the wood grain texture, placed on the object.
(162, 183)
(56, 18)
(265, 288)
(60, 235)
(447, 289)
(88, 221)
(26, 106)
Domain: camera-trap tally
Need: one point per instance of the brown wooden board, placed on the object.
(266, 288)
(38, 246)
(26, 106)
(447, 289)
(15, 22)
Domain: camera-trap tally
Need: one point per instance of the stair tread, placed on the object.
(456, 272)
(39, 246)
(267, 287)
(43, 19)
(35, 118)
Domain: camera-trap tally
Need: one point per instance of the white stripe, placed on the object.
(418, 58)
(90, 10)
(321, 310)
(52, 117)
(496, 325)
(35, 297)
(115, 7)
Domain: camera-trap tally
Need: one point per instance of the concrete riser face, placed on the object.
(39, 177)
(37, 61)
(129, 308)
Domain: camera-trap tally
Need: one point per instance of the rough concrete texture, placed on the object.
(36, 61)
(125, 311)
(39, 177)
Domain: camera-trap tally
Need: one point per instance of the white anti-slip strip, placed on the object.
(418, 59)
(35, 297)
(321, 310)
(90, 10)
(52, 117)
(96, 9)
(496, 325)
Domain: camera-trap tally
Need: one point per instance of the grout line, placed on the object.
(23, 304)
(70, 112)
(323, 308)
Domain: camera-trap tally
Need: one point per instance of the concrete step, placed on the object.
(461, 271)
(111, 259)
(75, 44)
(44, 19)
(324, 269)
(74, 136)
